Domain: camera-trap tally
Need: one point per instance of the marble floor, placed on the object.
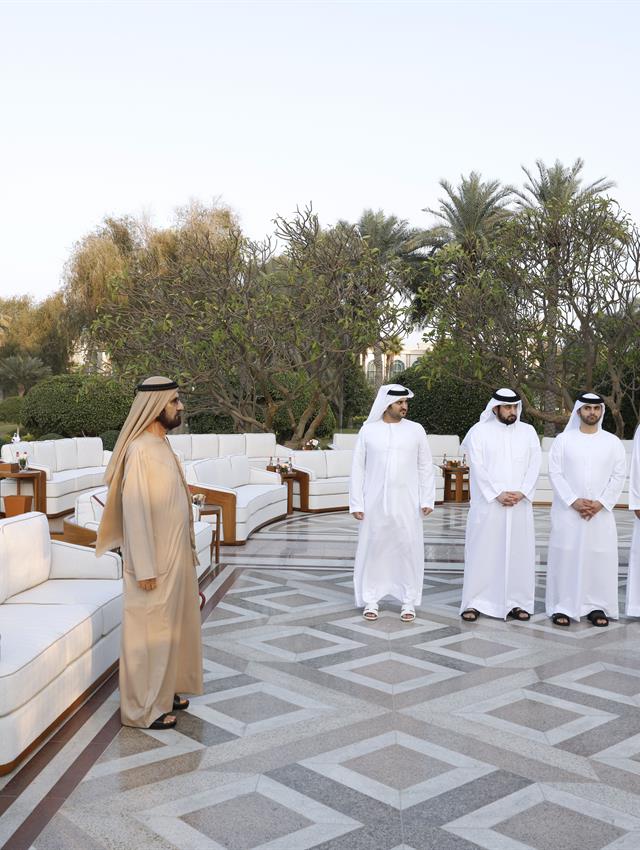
(320, 730)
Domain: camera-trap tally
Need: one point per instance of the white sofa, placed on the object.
(60, 617)
(258, 448)
(249, 497)
(343, 442)
(88, 512)
(71, 465)
(323, 484)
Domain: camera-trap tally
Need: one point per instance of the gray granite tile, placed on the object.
(550, 825)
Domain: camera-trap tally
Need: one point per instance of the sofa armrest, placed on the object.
(263, 476)
(106, 457)
(71, 561)
(283, 450)
(42, 468)
(308, 472)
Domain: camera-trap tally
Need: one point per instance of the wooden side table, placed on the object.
(216, 511)
(454, 480)
(38, 479)
(287, 478)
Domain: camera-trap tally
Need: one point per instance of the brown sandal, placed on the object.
(473, 615)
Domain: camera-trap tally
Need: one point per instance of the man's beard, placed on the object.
(169, 423)
(506, 420)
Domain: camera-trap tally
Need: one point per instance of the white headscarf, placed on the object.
(387, 394)
(586, 398)
(501, 396)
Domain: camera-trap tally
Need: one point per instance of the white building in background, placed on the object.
(413, 348)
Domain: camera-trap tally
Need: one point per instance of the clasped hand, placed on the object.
(509, 498)
(587, 508)
(147, 584)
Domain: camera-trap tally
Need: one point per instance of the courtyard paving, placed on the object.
(320, 730)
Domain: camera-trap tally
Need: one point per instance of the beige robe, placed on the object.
(161, 644)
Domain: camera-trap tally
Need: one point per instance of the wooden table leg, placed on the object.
(459, 480)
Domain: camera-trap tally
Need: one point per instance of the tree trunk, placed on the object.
(379, 369)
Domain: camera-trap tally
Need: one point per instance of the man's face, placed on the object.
(171, 416)
(398, 410)
(506, 413)
(590, 413)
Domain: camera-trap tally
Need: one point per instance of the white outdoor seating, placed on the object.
(325, 483)
(343, 442)
(249, 497)
(89, 507)
(60, 616)
(258, 448)
(71, 465)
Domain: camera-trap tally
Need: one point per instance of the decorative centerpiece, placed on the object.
(23, 459)
(311, 445)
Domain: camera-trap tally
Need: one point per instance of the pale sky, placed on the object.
(113, 108)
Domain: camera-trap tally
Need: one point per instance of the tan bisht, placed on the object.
(148, 514)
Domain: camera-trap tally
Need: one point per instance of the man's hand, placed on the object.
(358, 514)
(517, 495)
(587, 508)
(507, 499)
(427, 511)
(147, 584)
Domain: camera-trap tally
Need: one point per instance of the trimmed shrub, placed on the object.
(358, 397)
(109, 439)
(442, 404)
(51, 437)
(11, 409)
(75, 406)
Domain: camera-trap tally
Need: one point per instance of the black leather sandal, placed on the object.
(179, 703)
(561, 620)
(470, 615)
(594, 616)
(517, 614)
(163, 723)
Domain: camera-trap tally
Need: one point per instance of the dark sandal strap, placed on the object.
(558, 617)
(473, 611)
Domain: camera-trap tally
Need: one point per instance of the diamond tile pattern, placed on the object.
(318, 729)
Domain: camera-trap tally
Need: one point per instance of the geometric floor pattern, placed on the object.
(318, 729)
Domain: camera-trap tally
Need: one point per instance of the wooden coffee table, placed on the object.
(287, 478)
(216, 511)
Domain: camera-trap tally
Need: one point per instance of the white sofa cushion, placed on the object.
(101, 598)
(181, 443)
(10, 451)
(204, 445)
(43, 452)
(66, 454)
(240, 470)
(210, 473)
(25, 554)
(444, 444)
(342, 442)
(89, 507)
(260, 445)
(252, 498)
(315, 461)
(74, 481)
(330, 486)
(339, 463)
(231, 444)
(33, 657)
(89, 451)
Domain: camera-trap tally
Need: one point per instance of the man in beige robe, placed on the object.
(148, 514)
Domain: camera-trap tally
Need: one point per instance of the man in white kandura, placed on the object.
(500, 545)
(632, 608)
(392, 487)
(587, 468)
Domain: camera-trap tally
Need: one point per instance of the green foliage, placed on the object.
(443, 405)
(11, 409)
(75, 405)
(109, 439)
(283, 426)
(210, 423)
(51, 436)
(358, 395)
(21, 371)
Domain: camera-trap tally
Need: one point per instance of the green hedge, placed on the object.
(109, 439)
(442, 405)
(75, 406)
(210, 423)
(11, 409)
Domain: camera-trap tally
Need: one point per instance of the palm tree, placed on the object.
(555, 187)
(469, 214)
(553, 191)
(22, 371)
(395, 242)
